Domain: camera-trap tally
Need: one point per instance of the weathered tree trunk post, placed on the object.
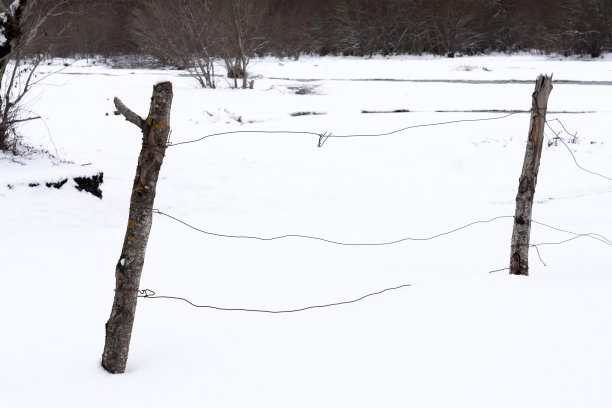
(155, 130)
(519, 261)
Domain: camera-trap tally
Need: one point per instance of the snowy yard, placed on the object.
(459, 336)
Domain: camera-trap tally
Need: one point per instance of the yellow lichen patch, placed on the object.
(157, 126)
(149, 120)
(162, 123)
(131, 224)
(120, 282)
(131, 238)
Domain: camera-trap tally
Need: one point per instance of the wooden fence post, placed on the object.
(155, 131)
(519, 261)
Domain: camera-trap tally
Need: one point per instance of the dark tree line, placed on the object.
(290, 28)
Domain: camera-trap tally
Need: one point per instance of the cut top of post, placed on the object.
(539, 104)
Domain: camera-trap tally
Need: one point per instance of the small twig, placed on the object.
(538, 252)
(323, 138)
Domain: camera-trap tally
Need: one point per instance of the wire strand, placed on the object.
(592, 235)
(329, 241)
(570, 150)
(323, 137)
(244, 132)
(326, 135)
(450, 122)
(150, 294)
(147, 293)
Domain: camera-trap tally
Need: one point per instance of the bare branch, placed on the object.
(11, 122)
(128, 114)
(27, 85)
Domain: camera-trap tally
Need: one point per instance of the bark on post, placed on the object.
(519, 261)
(155, 130)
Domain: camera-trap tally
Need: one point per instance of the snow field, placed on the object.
(459, 336)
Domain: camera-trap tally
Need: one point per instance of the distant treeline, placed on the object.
(290, 28)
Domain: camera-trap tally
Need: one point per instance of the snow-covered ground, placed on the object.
(458, 337)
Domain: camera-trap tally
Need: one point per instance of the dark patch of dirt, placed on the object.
(90, 184)
(387, 111)
(57, 184)
(307, 113)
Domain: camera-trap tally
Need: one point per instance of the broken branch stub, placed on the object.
(128, 114)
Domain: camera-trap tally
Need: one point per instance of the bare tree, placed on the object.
(414, 31)
(345, 27)
(507, 26)
(193, 35)
(184, 33)
(589, 28)
(20, 29)
(289, 27)
(244, 22)
(455, 27)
